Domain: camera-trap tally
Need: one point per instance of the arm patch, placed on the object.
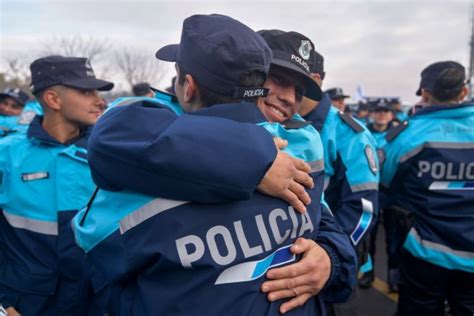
(394, 132)
(349, 120)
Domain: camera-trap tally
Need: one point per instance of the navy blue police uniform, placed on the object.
(429, 174)
(146, 141)
(225, 249)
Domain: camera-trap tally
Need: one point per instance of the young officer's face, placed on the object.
(383, 117)
(9, 107)
(284, 95)
(340, 104)
(81, 107)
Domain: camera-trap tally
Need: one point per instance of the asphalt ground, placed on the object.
(377, 301)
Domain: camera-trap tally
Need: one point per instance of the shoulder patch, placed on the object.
(295, 124)
(394, 132)
(349, 120)
(370, 155)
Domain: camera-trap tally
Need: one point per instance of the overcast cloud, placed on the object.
(381, 45)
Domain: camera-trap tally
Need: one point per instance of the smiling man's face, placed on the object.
(286, 89)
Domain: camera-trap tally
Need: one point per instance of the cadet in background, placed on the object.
(351, 166)
(45, 180)
(337, 97)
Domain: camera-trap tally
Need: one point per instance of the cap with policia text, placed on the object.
(74, 72)
(336, 93)
(431, 75)
(294, 51)
(16, 94)
(218, 51)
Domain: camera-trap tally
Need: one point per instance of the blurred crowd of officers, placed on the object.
(244, 189)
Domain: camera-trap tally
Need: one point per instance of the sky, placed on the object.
(380, 45)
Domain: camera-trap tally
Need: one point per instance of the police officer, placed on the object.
(12, 102)
(337, 97)
(383, 118)
(278, 106)
(351, 166)
(216, 284)
(383, 121)
(397, 110)
(428, 171)
(45, 180)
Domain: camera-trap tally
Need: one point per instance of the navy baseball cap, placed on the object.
(16, 94)
(294, 51)
(75, 72)
(218, 51)
(431, 74)
(336, 93)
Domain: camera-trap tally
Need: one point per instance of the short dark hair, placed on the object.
(209, 97)
(449, 84)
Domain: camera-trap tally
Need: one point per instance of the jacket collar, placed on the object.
(37, 132)
(318, 115)
(432, 109)
(244, 112)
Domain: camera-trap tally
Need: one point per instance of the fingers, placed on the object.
(280, 143)
(292, 199)
(302, 245)
(288, 293)
(301, 165)
(304, 179)
(298, 301)
(11, 311)
(303, 283)
(291, 271)
(300, 192)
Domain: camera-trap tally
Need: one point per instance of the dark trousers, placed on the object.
(425, 287)
(396, 225)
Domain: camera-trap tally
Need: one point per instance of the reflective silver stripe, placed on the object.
(365, 186)
(37, 226)
(367, 210)
(147, 211)
(440, 145)
(439, 247)
(326, 182)
(316, 166)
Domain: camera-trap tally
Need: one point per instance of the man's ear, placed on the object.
(426, 96)
(463, 94)
(52, 98)
(317, 78)
(190, 88)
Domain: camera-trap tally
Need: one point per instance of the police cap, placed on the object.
(218, 51)
(295, 52)
(336, 93)
(431, 74)
(16, 94)
(75, 72)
